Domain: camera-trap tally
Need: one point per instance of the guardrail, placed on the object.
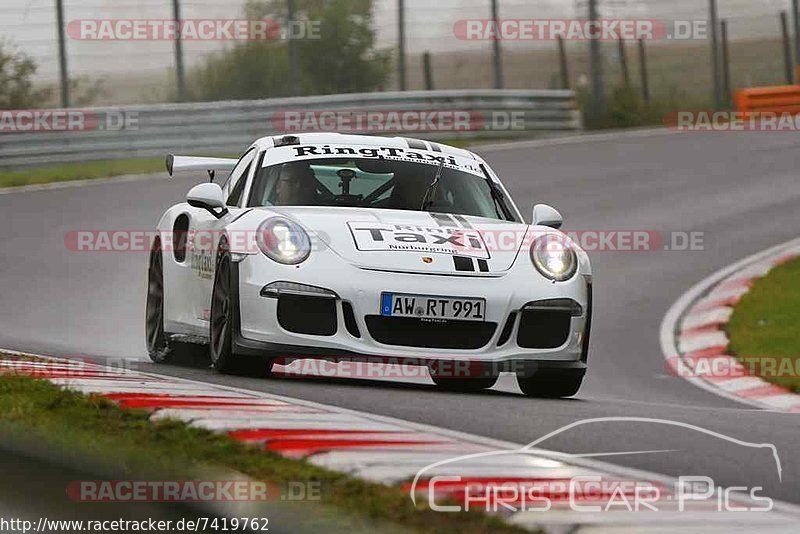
(778, 99)
(211, 128)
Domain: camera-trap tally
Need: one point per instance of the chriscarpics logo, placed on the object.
(541, 480)
(411, 238)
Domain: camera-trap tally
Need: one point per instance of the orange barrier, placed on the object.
(779, 99)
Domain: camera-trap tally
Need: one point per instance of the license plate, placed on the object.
(430, 307)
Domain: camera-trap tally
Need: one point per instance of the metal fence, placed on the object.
(212, 128)
(680, 70)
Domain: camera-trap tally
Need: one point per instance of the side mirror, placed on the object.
(208, 197)
(544, 215)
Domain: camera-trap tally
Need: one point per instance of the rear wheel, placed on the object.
(221, 321)
(551, 383)
(160, 346)
(157, 340)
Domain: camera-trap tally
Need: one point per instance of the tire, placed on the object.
(551, 383)
(158, 347)
(462, 385)
(222, 323)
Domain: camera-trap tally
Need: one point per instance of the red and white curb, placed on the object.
(391, 451)
(695, 344)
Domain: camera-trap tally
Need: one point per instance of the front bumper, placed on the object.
(259, 330)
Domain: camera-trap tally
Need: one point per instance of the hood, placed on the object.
(413, 241)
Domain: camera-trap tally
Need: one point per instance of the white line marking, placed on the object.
(722, 295)
(710, 317)
(693, 342)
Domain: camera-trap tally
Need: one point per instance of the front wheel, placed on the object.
(551, 383)
(221, 322)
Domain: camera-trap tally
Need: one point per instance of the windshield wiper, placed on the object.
(497, 197)
(427, 200)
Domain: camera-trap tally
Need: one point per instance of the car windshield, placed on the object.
(370, 183)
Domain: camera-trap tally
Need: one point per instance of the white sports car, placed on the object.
(397, 250)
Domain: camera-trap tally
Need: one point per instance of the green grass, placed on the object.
(92, 427)
(764, 326)
(81, 171)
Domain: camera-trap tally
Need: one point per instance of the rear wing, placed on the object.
(190, 163)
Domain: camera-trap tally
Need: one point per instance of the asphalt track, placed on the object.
(742, 190)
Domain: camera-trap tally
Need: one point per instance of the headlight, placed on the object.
(554, 257)
(283, 241)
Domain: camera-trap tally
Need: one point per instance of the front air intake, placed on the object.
(413, 332)
(305, 314)
(546, 324)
